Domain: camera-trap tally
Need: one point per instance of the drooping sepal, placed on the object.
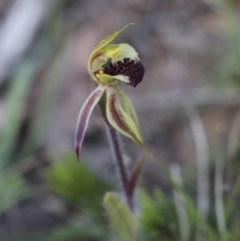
(127, 106)
(120, 119)
(84, 115)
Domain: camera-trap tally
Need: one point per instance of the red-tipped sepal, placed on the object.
(84, 115)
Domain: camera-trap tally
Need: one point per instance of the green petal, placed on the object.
(103, 43)
(84, 115)
(106, 79)
(126, 51)
(120, 119)
(111, 50)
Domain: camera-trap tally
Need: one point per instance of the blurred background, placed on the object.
(188, 106)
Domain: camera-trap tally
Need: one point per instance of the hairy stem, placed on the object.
(117, 150)
(116, 145)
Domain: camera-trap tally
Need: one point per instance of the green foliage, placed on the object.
(77, 183)
(12, 190)
(195, 218)
(90, 231)
(121, 218)
(158, 218)
(15, 105)
(234, 234)
(63, 233)
(74, 183)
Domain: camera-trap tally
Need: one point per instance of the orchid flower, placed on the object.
(107, 65)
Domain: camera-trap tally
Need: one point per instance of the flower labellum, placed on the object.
(131, 68)
(107, 65)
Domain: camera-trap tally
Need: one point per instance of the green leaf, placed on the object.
(121, 218)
